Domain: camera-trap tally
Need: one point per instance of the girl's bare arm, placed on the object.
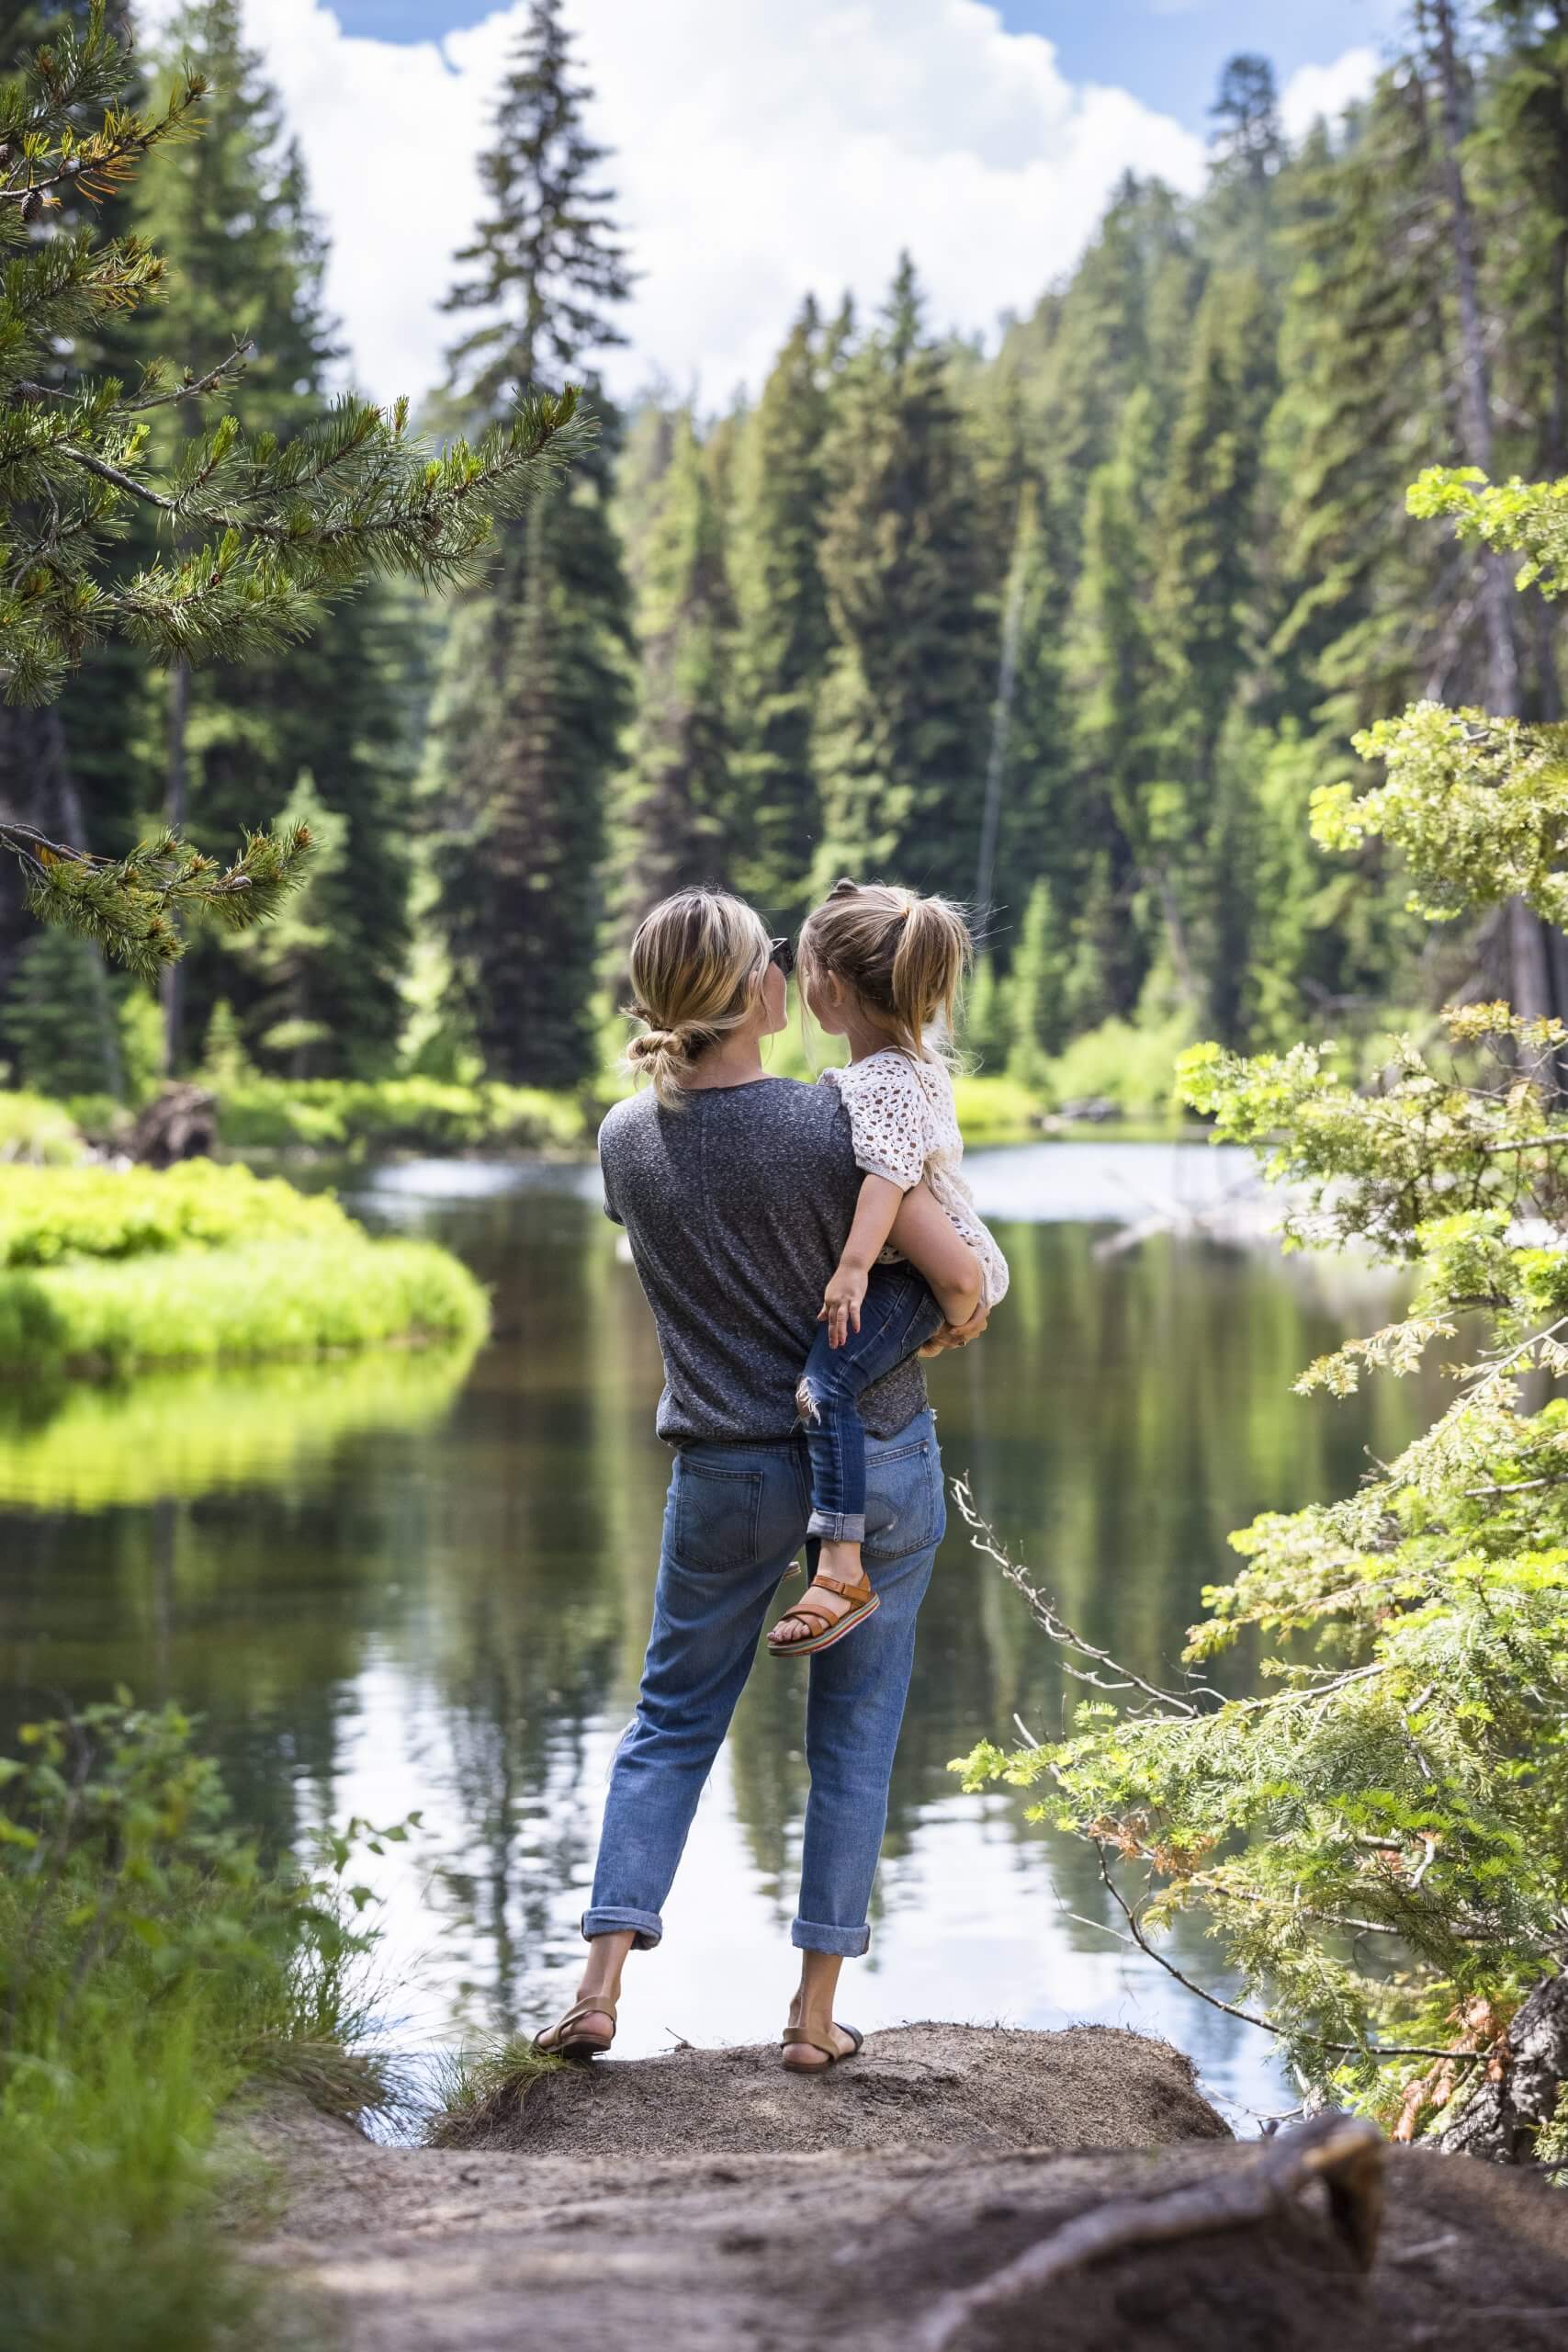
(924, 1233)
(875, 1214)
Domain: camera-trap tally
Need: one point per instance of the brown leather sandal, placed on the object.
(829, 1629)
(579, 2047)
(794, 2037)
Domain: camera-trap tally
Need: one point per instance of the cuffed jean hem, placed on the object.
(838, 1526)
(850, 1944)
(646, 1925)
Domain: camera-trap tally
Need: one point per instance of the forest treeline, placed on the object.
(1070, 625)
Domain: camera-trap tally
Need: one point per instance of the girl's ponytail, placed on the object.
(904, 956)
(934, 952)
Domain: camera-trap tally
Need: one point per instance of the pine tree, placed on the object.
(903, 716)
(1117, 677)
(1118, 326)
(1205, 615)
(1037, 1001)
(784, 633)
(1247, 153)
(77, 463)
(677, 815)
(534, 690)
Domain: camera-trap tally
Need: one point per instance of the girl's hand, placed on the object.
(842, 1303)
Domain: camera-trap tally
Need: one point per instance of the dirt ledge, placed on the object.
(846, 2213)
(913, 2086)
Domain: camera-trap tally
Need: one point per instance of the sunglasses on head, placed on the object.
(782, 952)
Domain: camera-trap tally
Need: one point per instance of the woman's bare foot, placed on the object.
(583, 2032)
(588, 2028)
(806, 2056)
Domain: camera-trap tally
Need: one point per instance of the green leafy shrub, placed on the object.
(363, 1115)
(997, 1110)
(37, 1132)
(102, 1269)
(1118, 1063)
(270, 1298)
(150, 1966)
(109, 1213)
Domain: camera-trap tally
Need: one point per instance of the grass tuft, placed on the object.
(480, 2090)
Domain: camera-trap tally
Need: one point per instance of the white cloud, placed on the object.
(1314, 90)
(763, 150)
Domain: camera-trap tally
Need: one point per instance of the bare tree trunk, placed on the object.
(36, 786)
(73, 829)
(1001, 714)
(1516, 2101)
(1531, 975)
(171, 985)
(1496, 590)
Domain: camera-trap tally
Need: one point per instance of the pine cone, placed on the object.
(32, 204)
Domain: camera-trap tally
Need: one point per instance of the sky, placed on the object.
(765, 149)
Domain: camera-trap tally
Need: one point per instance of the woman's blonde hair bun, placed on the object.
(696, 963)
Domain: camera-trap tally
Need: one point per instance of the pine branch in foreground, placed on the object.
(264, 533)
(130, 905)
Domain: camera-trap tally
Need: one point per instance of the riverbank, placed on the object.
(709, 2200)
(104, 1270)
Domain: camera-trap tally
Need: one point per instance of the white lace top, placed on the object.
(905, 1126)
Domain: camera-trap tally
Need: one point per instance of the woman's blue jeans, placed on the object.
(735, 1521)
(898, 1315)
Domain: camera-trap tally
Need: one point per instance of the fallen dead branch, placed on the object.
(1345, 2153)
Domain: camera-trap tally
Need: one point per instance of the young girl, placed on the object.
(882, 968)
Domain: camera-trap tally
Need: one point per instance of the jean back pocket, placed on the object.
(716, 1514)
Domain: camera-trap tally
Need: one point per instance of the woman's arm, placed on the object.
(924, 1233)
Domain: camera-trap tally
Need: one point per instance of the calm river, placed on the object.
(409, 1583)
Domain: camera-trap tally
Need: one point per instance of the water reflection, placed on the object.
(389, 1586)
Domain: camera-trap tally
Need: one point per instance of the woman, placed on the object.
(737, 1191)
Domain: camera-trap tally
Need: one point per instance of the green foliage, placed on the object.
(105, 1271)
(278, 527)
(47, 1218)
(1528, 518)
(1377, 1839)
(1129, 1066)
(365, 1115)
(151, 1965)
(35, 1131)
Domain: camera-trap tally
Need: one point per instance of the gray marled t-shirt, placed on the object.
(738, 1206)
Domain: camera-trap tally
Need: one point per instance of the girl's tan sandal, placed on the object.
(829, 1629)
(580, 2046)
(795, 2039)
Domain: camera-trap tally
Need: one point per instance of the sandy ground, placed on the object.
(706, 2200)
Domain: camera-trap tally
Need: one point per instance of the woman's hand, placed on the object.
(958, 1335)
(842, 1302)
